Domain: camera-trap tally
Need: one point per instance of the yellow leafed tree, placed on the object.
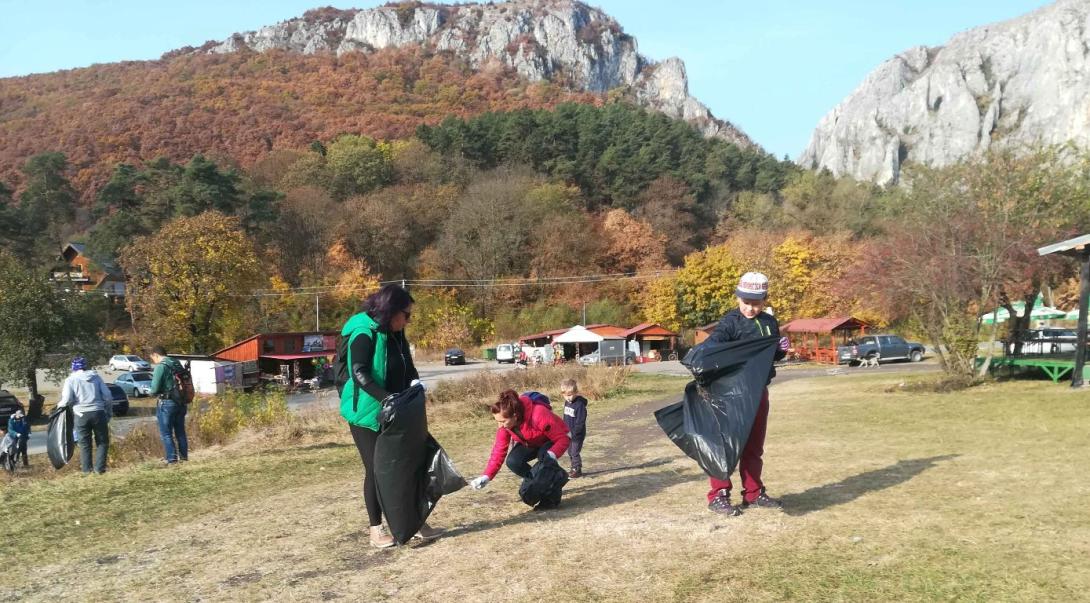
(187, 279)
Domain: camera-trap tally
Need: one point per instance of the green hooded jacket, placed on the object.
(357, 406)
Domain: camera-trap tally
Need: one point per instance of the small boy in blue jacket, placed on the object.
(575, 417)
(19, 428)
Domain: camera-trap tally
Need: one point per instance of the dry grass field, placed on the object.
(978, 495)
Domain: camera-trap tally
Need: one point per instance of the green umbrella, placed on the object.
(1046, 313)
(1000, 315)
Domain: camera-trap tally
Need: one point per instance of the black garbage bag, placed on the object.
(411, 469)
(59, 441)
(712, 421)
(711, 360)
(546, 483)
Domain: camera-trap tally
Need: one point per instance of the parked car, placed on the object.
(1050, 341)
(880, 348)
(8, 405)
(454, 356)
(507, 352)
(593, 358)
(124, 362)
(136, 384)
(121, 401)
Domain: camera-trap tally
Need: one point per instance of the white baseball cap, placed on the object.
(753, 286)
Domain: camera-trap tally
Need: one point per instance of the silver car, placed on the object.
(128, 362)
(135, 384)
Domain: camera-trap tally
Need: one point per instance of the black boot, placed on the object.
(762, 501)
(721, 504)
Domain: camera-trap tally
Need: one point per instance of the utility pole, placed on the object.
(584, 312)
(317, 327)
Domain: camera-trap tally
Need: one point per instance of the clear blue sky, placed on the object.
(772, 68)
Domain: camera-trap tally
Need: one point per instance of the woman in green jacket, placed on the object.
(379, 364)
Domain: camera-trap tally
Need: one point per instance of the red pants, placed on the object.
(750, 465)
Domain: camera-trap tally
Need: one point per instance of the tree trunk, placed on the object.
(36, 402)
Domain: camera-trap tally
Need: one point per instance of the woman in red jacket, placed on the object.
(531, 426)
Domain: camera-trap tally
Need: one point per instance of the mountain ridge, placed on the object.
(538, 39)
(1019, 82)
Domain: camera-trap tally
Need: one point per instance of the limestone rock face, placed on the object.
(539, 39)
(1018, 83)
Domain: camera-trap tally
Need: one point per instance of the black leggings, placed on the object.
(365, 442)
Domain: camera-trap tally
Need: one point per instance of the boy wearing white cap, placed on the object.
(748, 321)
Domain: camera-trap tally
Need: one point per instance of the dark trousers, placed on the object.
(518, 459)
(575, 451)
(20, 449)
(365, 440)
(171, 418)
(93, 423)
(750, 465)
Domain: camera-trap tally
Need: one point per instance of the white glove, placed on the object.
(480, 482)
(550, 453)
(418, 382)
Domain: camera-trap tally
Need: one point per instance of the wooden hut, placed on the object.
(816, 339)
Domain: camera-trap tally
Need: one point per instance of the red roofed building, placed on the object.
(287, 355)
(817, 338)
(654, 341)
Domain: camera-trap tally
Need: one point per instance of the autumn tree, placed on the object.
(491, 227)
(706, 284)
(390, 227)
(658, 302)
(967, 240)
(186, 279)
(441, 321)
(631, 245)
(671, 210)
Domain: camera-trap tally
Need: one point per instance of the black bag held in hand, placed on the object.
(412, 472)
(712, 421)
(59, 441)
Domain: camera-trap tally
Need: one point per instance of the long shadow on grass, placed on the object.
(620, 490)
(847, 490)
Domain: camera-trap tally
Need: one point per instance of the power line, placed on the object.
(469, 283)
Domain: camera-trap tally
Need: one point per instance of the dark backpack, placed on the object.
(539, 398)
(183, 391)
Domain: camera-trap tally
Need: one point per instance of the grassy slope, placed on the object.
(974, 495)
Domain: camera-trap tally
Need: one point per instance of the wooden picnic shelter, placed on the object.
(817, 339)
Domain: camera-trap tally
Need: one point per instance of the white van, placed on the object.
(506, 352)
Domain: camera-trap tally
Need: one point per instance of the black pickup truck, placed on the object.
(879, 348)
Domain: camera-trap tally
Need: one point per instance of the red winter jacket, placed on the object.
(539, 425)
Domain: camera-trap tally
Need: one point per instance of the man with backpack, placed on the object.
(172, 384)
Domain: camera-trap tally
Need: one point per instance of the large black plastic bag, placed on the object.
(711, 360)
(409, 478)
(712, 422)
(546, 482)
(59, 441)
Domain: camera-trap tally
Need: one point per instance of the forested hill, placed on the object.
(239, 106)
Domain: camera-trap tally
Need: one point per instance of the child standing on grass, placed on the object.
(575, 417)
(748, 321)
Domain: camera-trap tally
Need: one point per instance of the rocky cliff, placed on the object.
(556, 40)
(1021, 82)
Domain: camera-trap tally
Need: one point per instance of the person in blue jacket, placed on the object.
(575, 417)
(19, 428)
